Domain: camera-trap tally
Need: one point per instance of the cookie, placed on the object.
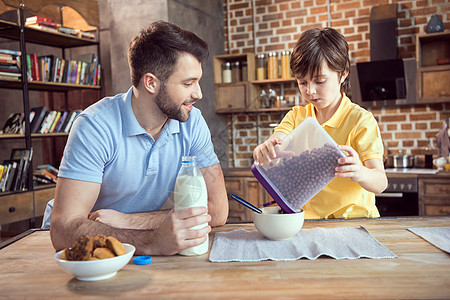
(99, 241)
(117, 247)
(102, 253)
(81, 249)
(63, 254)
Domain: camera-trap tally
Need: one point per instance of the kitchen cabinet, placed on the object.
(243, 96)
(434, 197)
(242, 183)
(237, 95)
(16, 207)
(433, 191)
(433, 67)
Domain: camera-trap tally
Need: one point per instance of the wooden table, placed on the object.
(27, 270)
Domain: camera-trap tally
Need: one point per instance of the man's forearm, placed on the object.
(64, 235)
(144, 220)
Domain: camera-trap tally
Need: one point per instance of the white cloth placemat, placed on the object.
(338, 243)
(438, 236)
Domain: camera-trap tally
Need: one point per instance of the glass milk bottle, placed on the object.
(190, 191)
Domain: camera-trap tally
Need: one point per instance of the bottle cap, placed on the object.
(142, 260)
(188, 159)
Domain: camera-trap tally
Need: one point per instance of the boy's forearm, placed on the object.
(375, 181)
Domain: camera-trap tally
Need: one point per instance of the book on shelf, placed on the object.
(51, 129)
(8, 181)
(43, 27)
(48, 167)
(86, 35)
(10, 64)
(40, 21)
(71, 119)
(24, 156)
(41, 121)
(11, 53)
(29, 68)
(45, 174)
(68, 30)
(61, 121)
(3, 178)
(35, 67)
(49, 68)
(48, 24)
(39, 115)
(13, 124)
(48, 121)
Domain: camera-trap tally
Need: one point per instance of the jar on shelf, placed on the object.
(285, 64)
(272, 66)
(236, 72)
(272, 98)
(260, 67)
(264, 101)
(226, 73)
(244, 70)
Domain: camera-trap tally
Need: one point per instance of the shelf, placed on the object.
(45, 86)
(34, 135)
(434, 68)
(269, 81)
(33, 35)
(260, 110)
(44, 186)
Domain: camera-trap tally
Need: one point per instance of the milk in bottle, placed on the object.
(190, 191)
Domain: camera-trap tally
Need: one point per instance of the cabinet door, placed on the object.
(435, 84)
(16, 207)
(231, 96)
(237, 213)
(41, 197)
(433, 197)
(437, 210)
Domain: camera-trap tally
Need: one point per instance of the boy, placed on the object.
(321, 64)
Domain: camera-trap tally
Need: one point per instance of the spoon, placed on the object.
(245, 203)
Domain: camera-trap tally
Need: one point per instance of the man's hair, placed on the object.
(319, 45)
(156, 50)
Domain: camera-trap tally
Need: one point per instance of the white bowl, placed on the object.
(275, 226)
(96, 269)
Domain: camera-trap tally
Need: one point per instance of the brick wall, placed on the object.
(260, 26)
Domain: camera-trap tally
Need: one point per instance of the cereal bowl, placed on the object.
(276, 226)
(93, 270)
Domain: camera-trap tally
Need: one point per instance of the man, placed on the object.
(124, 153)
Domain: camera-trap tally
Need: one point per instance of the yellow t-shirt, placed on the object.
(353, 126)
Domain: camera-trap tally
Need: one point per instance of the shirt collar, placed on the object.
(131, 124)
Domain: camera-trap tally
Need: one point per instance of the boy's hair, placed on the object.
(156, 50)
(316, 46)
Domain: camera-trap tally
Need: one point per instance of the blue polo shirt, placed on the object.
(108, 146)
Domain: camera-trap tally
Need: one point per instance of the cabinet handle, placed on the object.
(12, 209)
(444, 210)
(444, 190)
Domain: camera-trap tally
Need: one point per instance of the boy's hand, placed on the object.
(350, 166)
(265, 152)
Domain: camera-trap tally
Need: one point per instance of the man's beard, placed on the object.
(168, 107)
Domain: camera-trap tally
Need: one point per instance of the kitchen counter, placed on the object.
(420, 271)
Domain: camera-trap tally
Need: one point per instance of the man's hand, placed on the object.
(111, 217)
(175, 235)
